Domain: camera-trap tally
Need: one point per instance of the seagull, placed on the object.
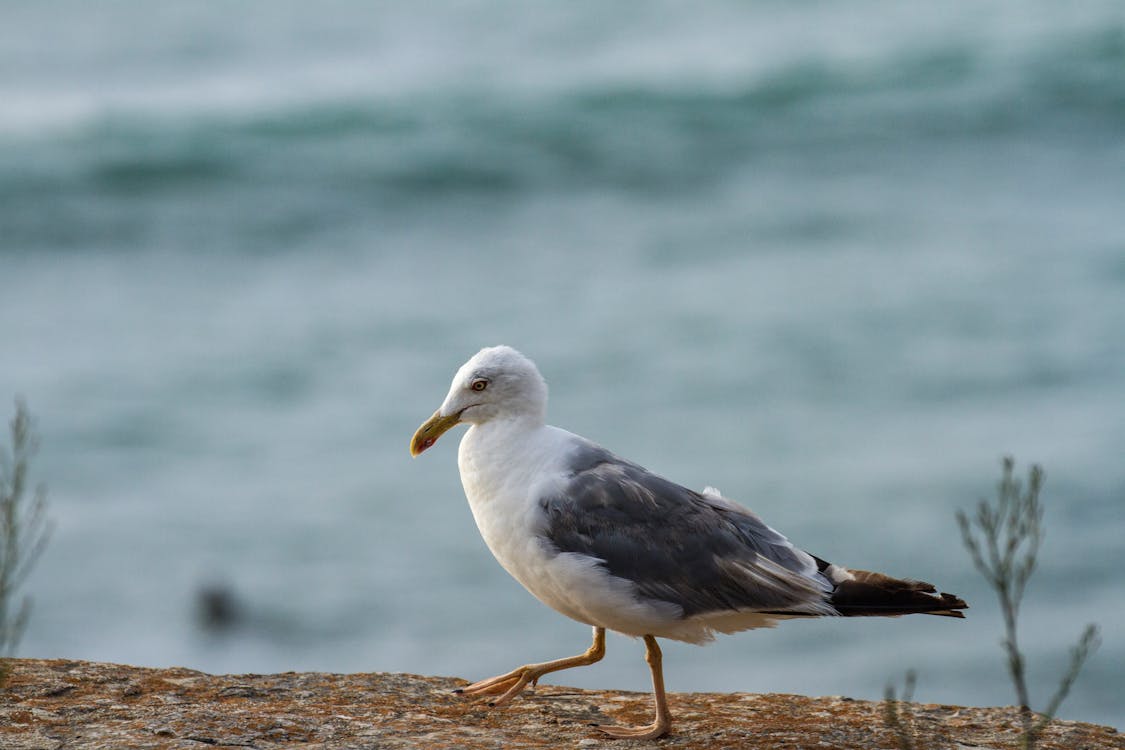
(610, 544)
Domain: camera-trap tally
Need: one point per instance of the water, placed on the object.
(836, 261)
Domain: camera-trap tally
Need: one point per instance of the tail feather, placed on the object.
(874, 594)
(861, 593)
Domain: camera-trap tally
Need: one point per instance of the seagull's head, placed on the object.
(497, 383)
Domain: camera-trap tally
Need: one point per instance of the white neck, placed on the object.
(505, 444)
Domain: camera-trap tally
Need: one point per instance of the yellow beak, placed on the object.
(428, 433)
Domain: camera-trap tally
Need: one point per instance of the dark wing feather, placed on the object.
(865, 594)
(677, 545)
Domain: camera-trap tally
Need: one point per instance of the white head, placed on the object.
(497, 383)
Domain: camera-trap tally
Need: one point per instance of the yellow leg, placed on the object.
(513, 683)
(663, 721)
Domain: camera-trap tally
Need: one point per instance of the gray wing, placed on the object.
(701, 553)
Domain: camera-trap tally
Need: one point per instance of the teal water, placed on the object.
(835, 261)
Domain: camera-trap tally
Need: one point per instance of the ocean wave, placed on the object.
(619, 134)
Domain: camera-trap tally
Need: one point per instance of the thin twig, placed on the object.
(1004, 547)
(898, 713)
(24, 530)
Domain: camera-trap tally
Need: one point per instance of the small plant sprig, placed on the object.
(898, 713)
(1003, 540)
(24, 530)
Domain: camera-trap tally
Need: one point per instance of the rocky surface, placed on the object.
(55, 704)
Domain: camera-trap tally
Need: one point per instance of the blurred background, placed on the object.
(836, 260)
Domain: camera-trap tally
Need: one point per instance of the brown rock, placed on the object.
(57, 704)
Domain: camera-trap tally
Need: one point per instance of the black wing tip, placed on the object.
(874, 594)
(954, 603)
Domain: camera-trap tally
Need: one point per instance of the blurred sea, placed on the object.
(836, 260)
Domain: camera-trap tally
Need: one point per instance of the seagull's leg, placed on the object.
(663, 721)
(513, 683)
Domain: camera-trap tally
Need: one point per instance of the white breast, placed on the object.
(505, 468)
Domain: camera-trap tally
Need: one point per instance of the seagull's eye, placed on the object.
(479, 384)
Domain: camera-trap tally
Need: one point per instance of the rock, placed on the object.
(76, 705)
